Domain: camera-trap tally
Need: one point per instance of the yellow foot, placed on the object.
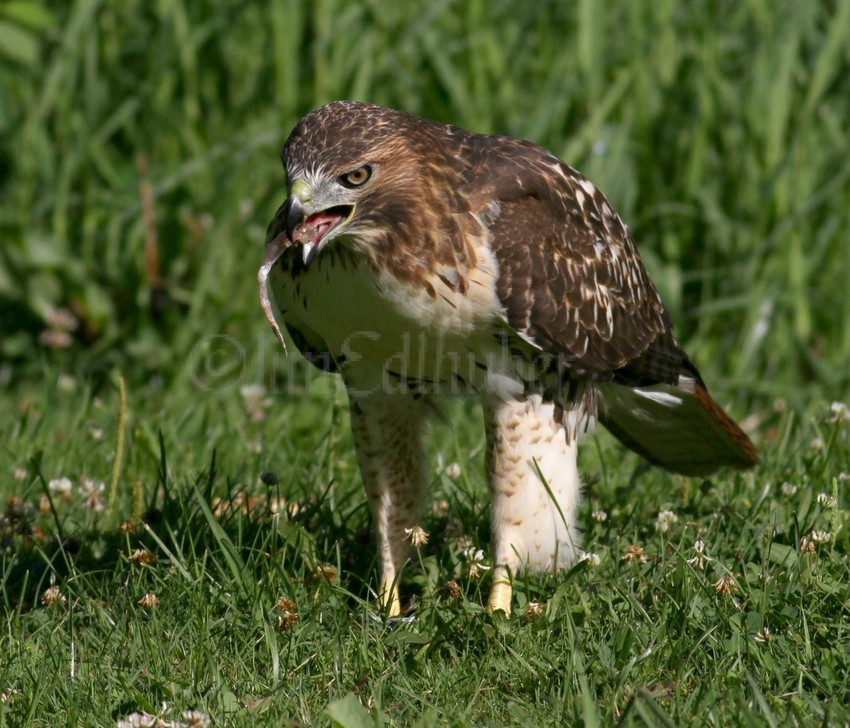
(389, 599)
(500, 598)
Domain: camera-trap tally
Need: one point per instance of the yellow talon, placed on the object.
(500, 597)
(389, 598)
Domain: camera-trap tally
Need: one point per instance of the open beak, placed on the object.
(311, 231)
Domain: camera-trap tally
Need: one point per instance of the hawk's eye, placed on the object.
(357, 177)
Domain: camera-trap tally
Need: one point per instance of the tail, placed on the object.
(677, 426)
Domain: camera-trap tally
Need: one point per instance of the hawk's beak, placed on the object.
(288, 217)
(310, 230)
(293, 215)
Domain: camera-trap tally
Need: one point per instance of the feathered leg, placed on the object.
(533, 524)
(388, 438)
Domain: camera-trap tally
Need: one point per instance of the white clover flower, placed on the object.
(196, 719)
(700, 558)
(763, 636)
(288, 614)
(451, 590)
(839, 413)
(61, 318)
(60, 486)
(139, 720)
(55, 339)
(635, 555)
(440, 508)
(820, 536)
(599, 516)
(725, 585)
(93, 493)
(592, 559)
(142, 556)
(252, 392)
(826, 500)
(533, 610)
(52, 595)
(475, 561)
(453, 471)
(66, 383)
(416, 536)
(148, 601)
(788, 489)
(255, 401)
(665, 520)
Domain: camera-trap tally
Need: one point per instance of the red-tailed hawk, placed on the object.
(420, 260)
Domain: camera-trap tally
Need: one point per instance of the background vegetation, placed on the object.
(138, 167)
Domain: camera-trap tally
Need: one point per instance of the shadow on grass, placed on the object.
(238, 535)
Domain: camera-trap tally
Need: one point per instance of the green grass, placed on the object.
(138, 169)
(633, 643)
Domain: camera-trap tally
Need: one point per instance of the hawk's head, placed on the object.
(371, 174)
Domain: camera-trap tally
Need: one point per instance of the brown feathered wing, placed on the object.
(572, 282)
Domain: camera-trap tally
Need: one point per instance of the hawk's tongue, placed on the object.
(315, 227)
